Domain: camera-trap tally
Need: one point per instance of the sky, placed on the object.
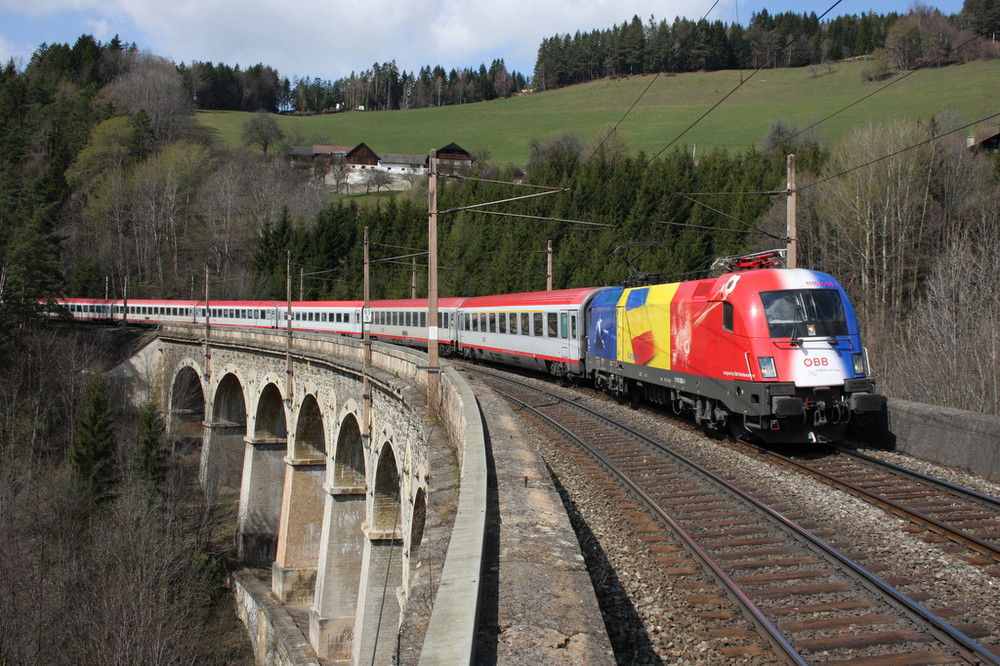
(331, 38)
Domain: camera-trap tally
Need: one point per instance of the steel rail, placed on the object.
(975, 495)
(939, 627)
(933, 524)
(782, 647)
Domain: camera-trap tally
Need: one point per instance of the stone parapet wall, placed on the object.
(952, 437)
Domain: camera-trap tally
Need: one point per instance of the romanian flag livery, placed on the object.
(765, 325)
(644, 322)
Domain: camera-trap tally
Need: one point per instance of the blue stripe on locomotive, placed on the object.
(602, 335)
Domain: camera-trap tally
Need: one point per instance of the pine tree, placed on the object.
(91, 453)
(152, 456)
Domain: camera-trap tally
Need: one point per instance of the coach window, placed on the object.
(423, 320)
(536, 322)
(727, 316)
(475, 321)
(552, 327)
(563, 326)
(492, 318)
(502, 324)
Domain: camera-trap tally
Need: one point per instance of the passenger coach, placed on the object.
(538, 330)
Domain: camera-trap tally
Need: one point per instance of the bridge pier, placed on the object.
(294, 570)
(260, 500)
(332, 616)
(379, 603)
(222, 457)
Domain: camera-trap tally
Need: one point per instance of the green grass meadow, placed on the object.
(800, 96)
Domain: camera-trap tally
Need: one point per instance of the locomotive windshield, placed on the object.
(798, 313)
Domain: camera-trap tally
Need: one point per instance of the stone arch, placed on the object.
(187, 404)
(270, 421)
(299, 536)
(417, 523)
(378, 604)
(386, 506)
(342, 556)
(310, 435)
(263, 480)
(349, 456)
(223, 452)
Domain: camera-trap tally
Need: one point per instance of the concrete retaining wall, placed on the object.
(952, 437)
(275, 637)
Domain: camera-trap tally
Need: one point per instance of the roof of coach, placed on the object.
(243, 304)
(79, 300)
(533, 299)
(450, 302)
(154, 301)
(327, 304)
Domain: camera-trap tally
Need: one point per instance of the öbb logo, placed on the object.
(816, 362)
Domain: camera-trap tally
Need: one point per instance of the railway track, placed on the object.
(964, 516)
(809, 602)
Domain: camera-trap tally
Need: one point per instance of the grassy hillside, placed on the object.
(799, 96)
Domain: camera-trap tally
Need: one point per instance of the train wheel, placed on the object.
(736, 425)
(634, 396)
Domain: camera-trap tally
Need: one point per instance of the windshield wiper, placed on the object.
(799, 316)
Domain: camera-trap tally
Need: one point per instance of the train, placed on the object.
(761, 351)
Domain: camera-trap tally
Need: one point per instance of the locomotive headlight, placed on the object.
(859, 364)
(767, 370)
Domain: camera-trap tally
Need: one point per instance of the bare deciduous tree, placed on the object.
(262, 130)
(154, 86)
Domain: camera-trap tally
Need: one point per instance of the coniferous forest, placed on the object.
(106, 178)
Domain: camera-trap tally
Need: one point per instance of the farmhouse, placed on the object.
(988, 145)
(352, 166)
(405, 164)
(454, 160)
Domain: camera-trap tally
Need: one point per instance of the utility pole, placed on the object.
(125, 306)
(288, 321)
(208, 330)
(413, 277)
(548, 269)
(790, 258)
(366, 389)
(432, 287)
(302, 283)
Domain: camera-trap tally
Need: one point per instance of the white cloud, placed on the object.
(8, 51)
(331, 38)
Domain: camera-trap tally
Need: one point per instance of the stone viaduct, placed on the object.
(331, 499)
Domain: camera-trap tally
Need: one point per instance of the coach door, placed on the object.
(569, 333)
